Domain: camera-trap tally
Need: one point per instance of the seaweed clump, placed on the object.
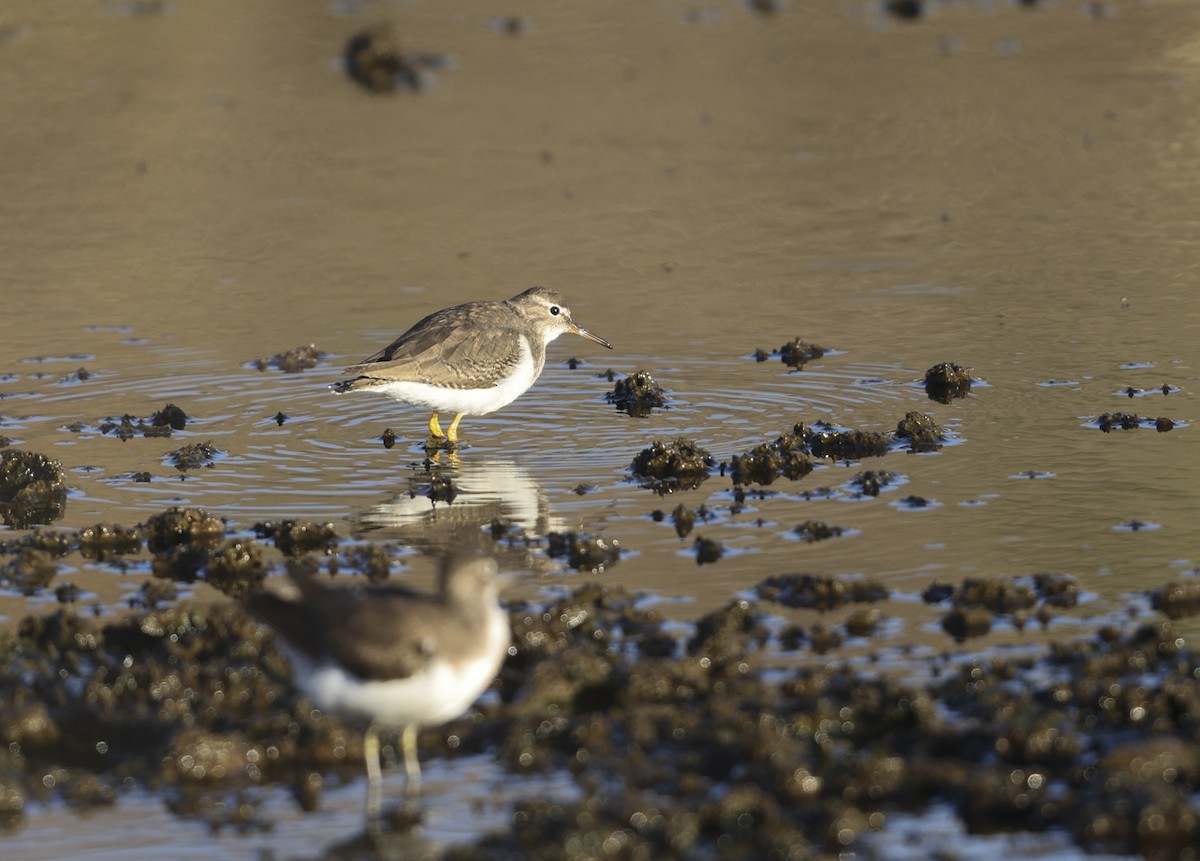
(820, 593)
(823, 441)
(795, 353)
(921, 431)
(291, 361)
(786, 457)
(638, 395)
(32, 489)
(671, 466)
(583, 552)
(160, 423)
(946, 381)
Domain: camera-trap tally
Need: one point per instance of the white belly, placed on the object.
(432, 697)
(472, 402)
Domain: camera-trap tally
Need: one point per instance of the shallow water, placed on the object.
(195, 186)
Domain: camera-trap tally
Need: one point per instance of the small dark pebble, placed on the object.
(707, 550)
(609, 375)
(375, 62)
(905, 10)
(573, 363)
(389, 438)
(281, 417)
(1163, 424)
(684, 519)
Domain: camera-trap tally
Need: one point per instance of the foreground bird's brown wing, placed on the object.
(459, 346)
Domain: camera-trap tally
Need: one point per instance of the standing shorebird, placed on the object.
(469, 359)
(395, 658)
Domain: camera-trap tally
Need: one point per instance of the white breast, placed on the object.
(472, 402)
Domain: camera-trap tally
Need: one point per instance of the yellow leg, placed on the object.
(374, 777)
(435, 428)
(411, 764)
(452, 431)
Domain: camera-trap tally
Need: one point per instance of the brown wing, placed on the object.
(439, 345)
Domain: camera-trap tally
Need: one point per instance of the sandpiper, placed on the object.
(470, 359)
(395, 658)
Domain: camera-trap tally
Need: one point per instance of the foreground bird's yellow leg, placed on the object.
(374, 778)
(452, 431)
(435, 428)
(411, 764)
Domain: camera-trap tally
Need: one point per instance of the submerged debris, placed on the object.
(820, 593)
(638, 395)
(670, 466)
(705, 751)
(29, 571)
(33, 490)
(1178, 599)
(183, 526)
(296, 538)
(871, 481)
(375, 62)
(194, 456)
(684, 519)
(795, 353)
(816, 530)
(291, 361)
(947, 381)
(1109, 422)
(103, 541)
(583, 552)
(158, 424)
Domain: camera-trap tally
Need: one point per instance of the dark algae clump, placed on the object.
(33, 490)
(669, 466)
(638, 395)
(947, 381)
(692, 743)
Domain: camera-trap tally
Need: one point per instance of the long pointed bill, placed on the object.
(579, 330)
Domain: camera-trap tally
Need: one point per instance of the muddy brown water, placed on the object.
(189, 187)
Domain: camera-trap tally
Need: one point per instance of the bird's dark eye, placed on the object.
(554, 310)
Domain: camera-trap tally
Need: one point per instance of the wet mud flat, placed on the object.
(790, 723)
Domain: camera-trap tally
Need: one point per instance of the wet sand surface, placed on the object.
(190, 188)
